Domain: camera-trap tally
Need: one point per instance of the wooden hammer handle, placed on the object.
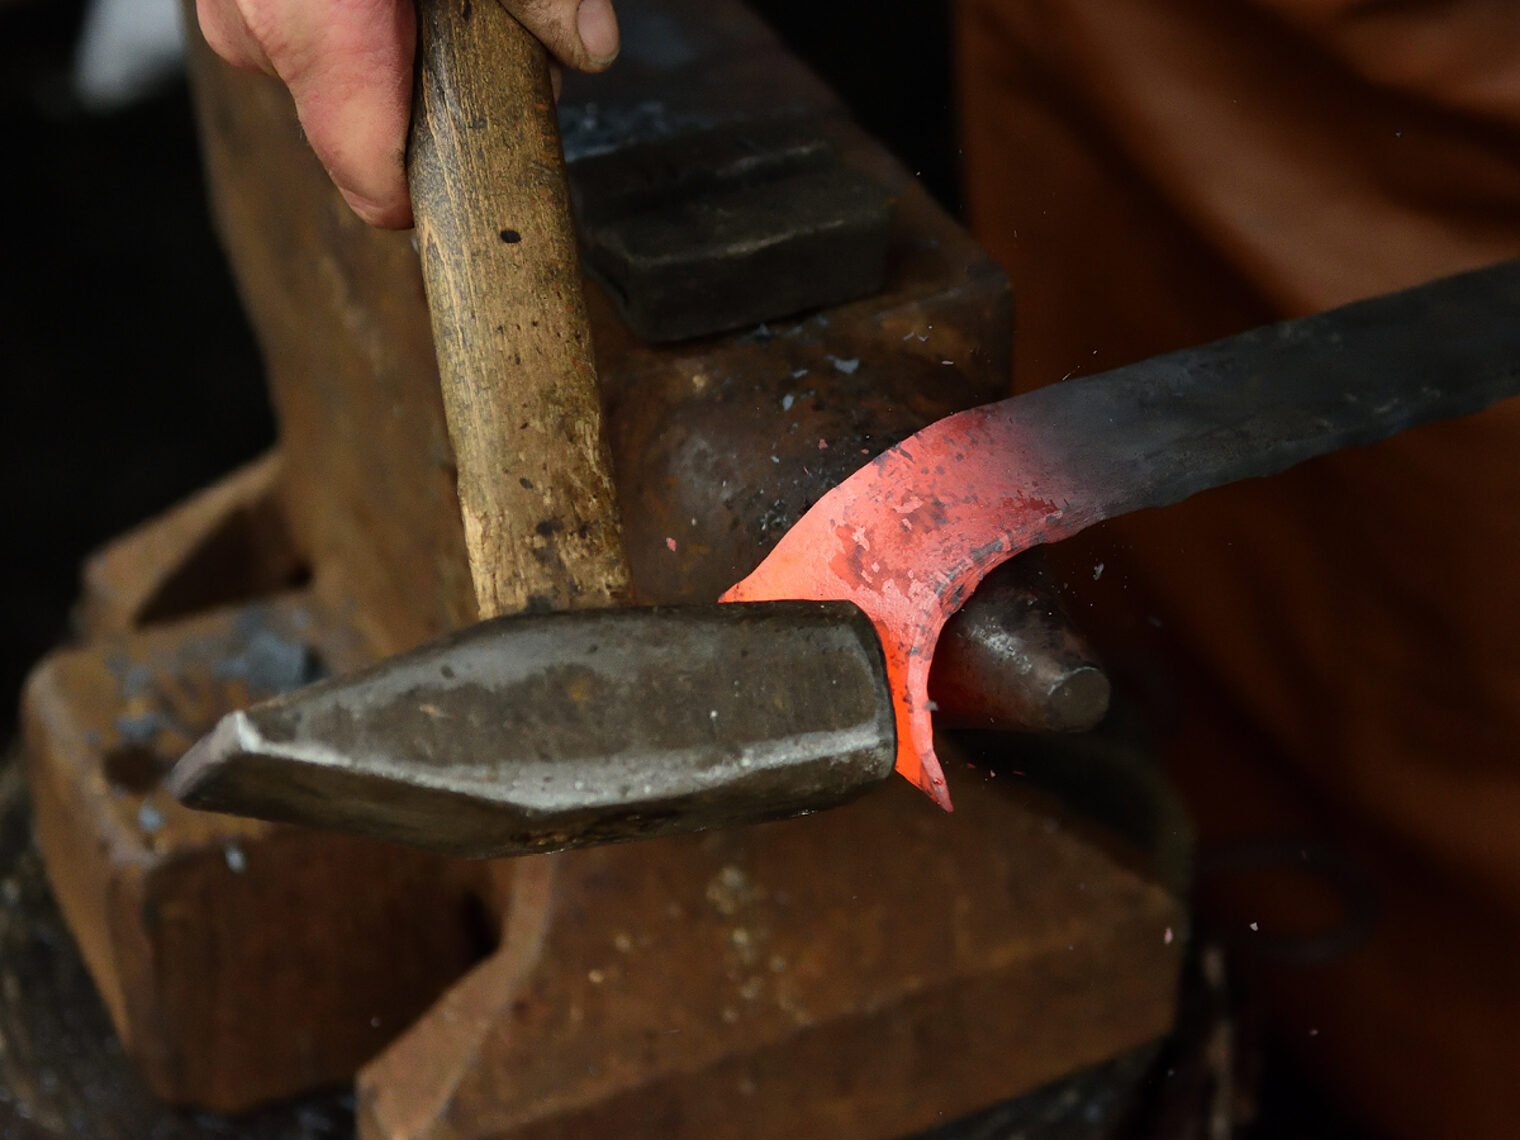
(503, 282)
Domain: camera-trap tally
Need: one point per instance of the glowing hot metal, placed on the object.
(908, 537)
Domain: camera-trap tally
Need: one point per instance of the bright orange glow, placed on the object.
(907, 538)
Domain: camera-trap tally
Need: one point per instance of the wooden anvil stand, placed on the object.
(869, 972)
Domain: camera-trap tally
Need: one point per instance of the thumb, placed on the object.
(582, 34)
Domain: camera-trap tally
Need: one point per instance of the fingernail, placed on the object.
(597, 25)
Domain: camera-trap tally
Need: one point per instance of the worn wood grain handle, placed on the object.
(503, 282)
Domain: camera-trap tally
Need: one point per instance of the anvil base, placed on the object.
(867, 972)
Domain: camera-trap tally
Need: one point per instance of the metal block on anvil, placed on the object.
(726, 227)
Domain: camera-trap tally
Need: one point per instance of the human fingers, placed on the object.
(348, 64)
(582, 34)
(227, 33)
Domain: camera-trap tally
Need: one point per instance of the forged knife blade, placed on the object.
(909, 536)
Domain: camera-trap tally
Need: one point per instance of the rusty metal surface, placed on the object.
(224, 949)
(341, 318)
(338, 308)
(63, 1074)
(226, 543)
(328, 928)
(863, 973)
(537, 733)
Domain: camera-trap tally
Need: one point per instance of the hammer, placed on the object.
(578, 720)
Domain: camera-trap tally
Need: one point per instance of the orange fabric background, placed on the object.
(1344, 641)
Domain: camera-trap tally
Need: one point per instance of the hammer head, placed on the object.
(538, 733)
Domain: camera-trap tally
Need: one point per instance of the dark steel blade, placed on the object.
(1158, 431)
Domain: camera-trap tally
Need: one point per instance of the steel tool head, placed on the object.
(538, 733)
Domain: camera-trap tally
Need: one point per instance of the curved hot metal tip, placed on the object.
(907, 538)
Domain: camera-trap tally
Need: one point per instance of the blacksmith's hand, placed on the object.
(348, 64)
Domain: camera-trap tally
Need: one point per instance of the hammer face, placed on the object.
(538, 733)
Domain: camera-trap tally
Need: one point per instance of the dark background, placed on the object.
(128, 377)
